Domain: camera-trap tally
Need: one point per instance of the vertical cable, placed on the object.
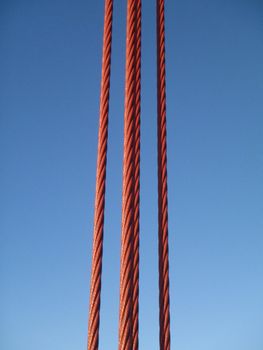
(135, 296)
(126, 273)
(164, 304)
(96, 269)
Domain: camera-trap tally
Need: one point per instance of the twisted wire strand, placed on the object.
(126, 273)
(96, 269)
(137, 99)
(164, 304)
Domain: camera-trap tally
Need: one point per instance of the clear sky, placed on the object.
(50, 62)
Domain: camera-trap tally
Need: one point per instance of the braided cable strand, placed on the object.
(126, 273)
(135, 296)
(96, 270)
(164, 304)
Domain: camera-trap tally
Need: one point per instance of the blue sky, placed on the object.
(50, 66)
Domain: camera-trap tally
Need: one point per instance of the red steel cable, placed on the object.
(137, 92)
(126, 273)
(96, 270)
(164, 304)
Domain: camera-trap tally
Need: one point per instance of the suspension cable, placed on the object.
(96, 269)
(126, 272)
(164, 304)
(135, 293)
(129, 279)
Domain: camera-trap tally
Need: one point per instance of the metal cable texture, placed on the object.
(129, 274)
(164, 304)
(96, 269)
(127, 244)
(137, 98)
